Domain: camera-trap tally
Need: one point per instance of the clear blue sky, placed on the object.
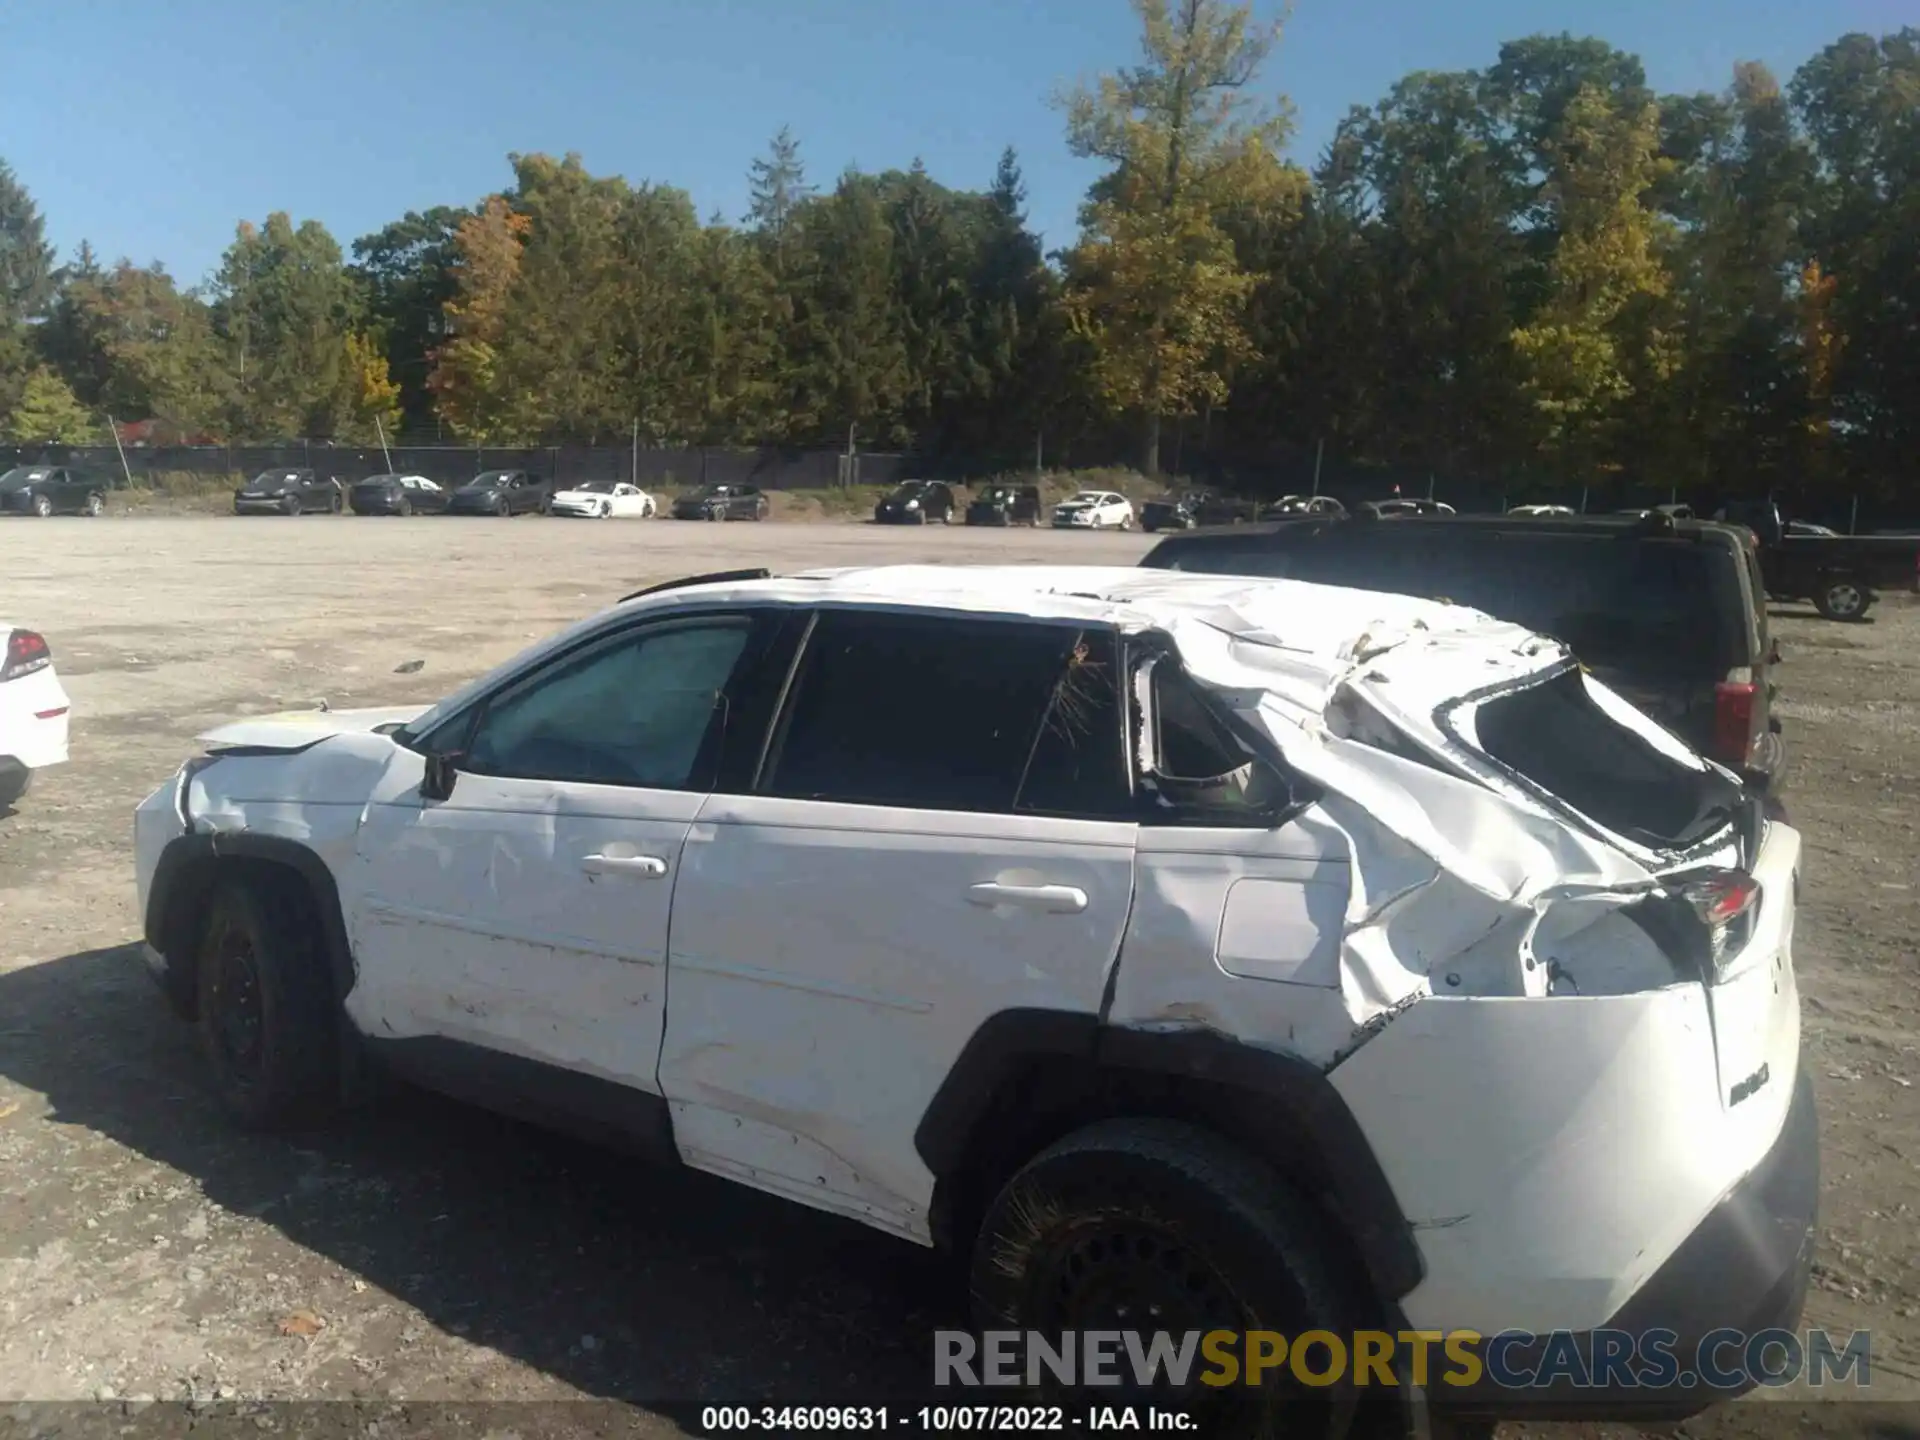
(151, 128)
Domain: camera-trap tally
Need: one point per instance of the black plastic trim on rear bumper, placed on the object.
(1745, 1267)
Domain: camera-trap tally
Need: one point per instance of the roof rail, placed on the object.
(717, 577)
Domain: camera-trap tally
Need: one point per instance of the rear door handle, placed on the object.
(648, 866)
(1049, 899)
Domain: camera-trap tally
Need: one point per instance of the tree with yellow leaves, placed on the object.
(465, 374)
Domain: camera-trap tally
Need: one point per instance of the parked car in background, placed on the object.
(398, 495)
(52, 490)
(1094, 510)
(34, 711)
(1539, 512)
(1141, 949)
(1184, 510)
(1403, 505)
(501, 492)
(1006, 505)
(917, 502)
(1671, 613)
(1807, 527)
(1288, 506)
(605, 500)
(1674, 511)
(1842, 575)
(723, 502)
(296, 491)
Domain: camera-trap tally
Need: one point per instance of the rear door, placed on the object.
(940, 832)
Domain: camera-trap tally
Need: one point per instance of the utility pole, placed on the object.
(385, 454)
(128, 474)
(1319, 450)
(1039, 456)
(636, 451)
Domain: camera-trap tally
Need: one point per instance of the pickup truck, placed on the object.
(1843, 575)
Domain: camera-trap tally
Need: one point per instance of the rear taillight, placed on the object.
(27, 651)
(1736, 702)
(1725, 901)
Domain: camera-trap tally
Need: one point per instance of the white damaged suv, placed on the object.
(1247, 954)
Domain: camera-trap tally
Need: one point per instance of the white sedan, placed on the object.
(33, 712)
(605, 500)
(1094, 510)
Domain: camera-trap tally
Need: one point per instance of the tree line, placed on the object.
(1540, 267)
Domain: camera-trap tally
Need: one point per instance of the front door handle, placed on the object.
(1049, 899)
(649, 866)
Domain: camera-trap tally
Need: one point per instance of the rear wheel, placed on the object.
(265, 1003)
(14, 784)
(406, 507)
(95, 505)
(1153, 1225)
(336, 503)
(1839, 598)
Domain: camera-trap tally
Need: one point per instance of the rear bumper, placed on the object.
(1743, 1270)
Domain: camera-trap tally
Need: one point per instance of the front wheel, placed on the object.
(1126, 522)
(336, 504)
(1156, 1225)
(43, 506)
(1841, 599)
(265, 1018)
(502, 509)
(406, 508)
(293, 505)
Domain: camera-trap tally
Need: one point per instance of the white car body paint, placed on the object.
(827, 962)
(623, 502)
(1093, 510)
(35, 713)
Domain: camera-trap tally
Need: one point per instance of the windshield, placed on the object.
(274, 480)
(1085, 497)
(910, 490)
(596, 487)
(492, 480)
(381, 480)
(21, 478)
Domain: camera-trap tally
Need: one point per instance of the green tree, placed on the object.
(1154, 281)
(47, 413)
(26, 259)
(408, 272)
(283, 308)
(777, 183)
(1579, 347)
(132, 344)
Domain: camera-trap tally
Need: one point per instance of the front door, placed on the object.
(526, 913)
(941, 832)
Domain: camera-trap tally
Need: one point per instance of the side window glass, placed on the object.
(1199, 772)
(922, 712)
(636, 712)
(1078, 768)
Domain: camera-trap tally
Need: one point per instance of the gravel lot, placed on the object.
(432, 1253)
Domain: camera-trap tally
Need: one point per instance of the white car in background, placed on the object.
(605, 500)
(1544, 512)
(1359, 953)
(1094, 510)
(33, 712)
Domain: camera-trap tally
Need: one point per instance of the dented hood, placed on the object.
(297, 729)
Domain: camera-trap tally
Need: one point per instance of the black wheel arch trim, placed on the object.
(1289, 1097)
(185, 875)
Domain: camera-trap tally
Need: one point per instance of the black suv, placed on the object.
(917, 502)
(501, 492)
(1185, 510)
(52, 490)
(1005, 505)
(294, 491)
(1670, 613)
(722, 502)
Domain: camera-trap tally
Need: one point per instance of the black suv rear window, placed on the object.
(1615, 599)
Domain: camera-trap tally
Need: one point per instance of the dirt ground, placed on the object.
(430, 1253)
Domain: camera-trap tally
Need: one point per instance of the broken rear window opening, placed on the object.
(1555, 735)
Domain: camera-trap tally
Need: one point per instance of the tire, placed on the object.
(14, 784)
(716, 513)
(1126, 522)
(1158, 1225)
(606, 511)
(336, 503)
(406, 507)
(266, 1008)
(946, 517)
(1839, 598)
(293, 506)
(96, 505)
(503, 509)
(43, 506)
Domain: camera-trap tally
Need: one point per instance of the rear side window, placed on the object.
(950, 713)
(1557, 737)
